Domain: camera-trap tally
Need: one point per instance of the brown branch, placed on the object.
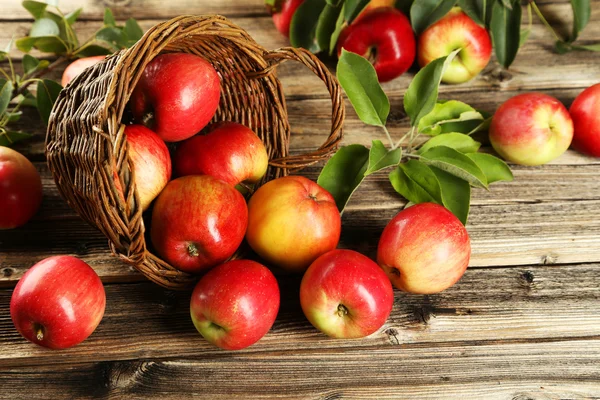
(38, 74)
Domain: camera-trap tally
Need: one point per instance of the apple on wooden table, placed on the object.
(283, 12)
(77, 67)
(585, 112)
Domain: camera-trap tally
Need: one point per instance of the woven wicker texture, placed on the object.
(87, 150)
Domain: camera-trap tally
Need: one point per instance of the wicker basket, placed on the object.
(86, 147)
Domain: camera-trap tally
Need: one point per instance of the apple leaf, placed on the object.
(581, 16)
(339, 25)
(457, 141)
(44, 27)
(9, 138)
(380, 157)
(47, 93)
(30, 63)
(6, 89)
(424, 13)
(416, 183)
(133, 32)
(456, 163)
(326, 26)
(359, 79)
(404, 6)
(109, 18)
(456, 194)
(478, 10)
(303, 27)
(93, 50)
(505, 29)
(35, 8)
(344, 172)
(494, 168)
(450, 116)
(353, 8)
(422, 93)
(72, 16)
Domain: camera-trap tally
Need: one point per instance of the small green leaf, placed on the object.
(13, 116)
(524, 36)
(6, 89)
(110, 35)
(326, 26)
(53, 3)
(8, 138)
(35, 8)
(416, 183)
(109, 18)
(562, 47)
(478, 10)
(44, 27)
(93, 50)
(506, 32)
(380, 157)
(46, 44)
(450, 116)
(335, 35)
(133, 31)
(47, 92)
(424, 13)
(581, 16)
(359, 79)
(344, 172)
(303, 28)
(494, 168)
(30, 63)
(457, 141)
(456, 194)
(72, 16)
(422, 93)
(456, 163)
(507, 4)
(353, 8)
(334, 3)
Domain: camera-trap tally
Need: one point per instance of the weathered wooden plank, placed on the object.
(488, 306)
(552, 370)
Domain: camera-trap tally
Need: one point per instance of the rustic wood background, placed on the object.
(523, 323)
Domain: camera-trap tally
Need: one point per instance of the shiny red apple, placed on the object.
(585, 112)
(176, 96)
(151, 162)
(77, 67)
(283, 12)
(230, 152)
(198, 222)
(292, 221)
(383, 36)
(346, 295)
(235, 304)
(58, 302)
(20, 189)
(424, 249)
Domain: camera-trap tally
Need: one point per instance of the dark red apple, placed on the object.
(58, 302)
(383, 36)
(346, 295)
(230, 152)
(282, 12)
(20, 189)
(198, 222)
(235, 304)
(176, 96)
(585, 112)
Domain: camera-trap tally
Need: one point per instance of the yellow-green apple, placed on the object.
(58, 302)
(531, 129)
(198, 222)
(176, 96)
(384, 37)
(20, 189)
(151, 162)
(585, 112)
(230, 152)
(235, 304)
(283, 12)
(77, 67)
(292, 221)
(344, 294)
(424, 249)
(456, 31)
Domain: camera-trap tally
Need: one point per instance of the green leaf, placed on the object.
(450, 116)
(335, 35)
(72, 16)
(456, 163)
(353, 8)
(494, 168)
(133, 31)
(327, 25)
(380, 157)
(93, 50)
(581, 16)
(6, 89)
(359, 80)
(8, 138)
(44, 27)
(524, 36)
(416, 183)
(456, 194)
(30, 63)
(457, 141)
(506, 32)
(422, 93)
(334, 3)
(562, 47)
(110, 35)
(53, 3)
(507, 4)
(423, 13)
(47, 92)
(13, 116)
(404, 6)
(47, 44)
(109, 18)
(35, 8)
(344, 172)
(304, 25)
(478, 10)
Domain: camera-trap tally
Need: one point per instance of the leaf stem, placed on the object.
(56, 63)
(387, 133)
(544, 21)
(399, 143)
(5, 74)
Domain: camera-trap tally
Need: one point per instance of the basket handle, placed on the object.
(338, 111)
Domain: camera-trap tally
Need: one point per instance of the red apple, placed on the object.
(373, 4)
(176, 96)
(383, 36)
(58, 302)
(77, 67)
(531, 129)
(585, 112)
(198, 222)
(230, 152)
(235, 304)
(282, 12)
(346, 295)
(20, 189)
(292, 221)
(151, 162)
(424, 249)
(454, 31)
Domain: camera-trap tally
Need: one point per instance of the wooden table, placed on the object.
(523, 323)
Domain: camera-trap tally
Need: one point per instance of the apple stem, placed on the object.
(148, 119)
(39, 332)
(342, 310)
(192, 250)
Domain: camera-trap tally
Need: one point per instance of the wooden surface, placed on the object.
(523, 323)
